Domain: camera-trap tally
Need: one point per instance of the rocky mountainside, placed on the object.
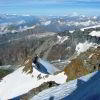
(74, 54)
(82, 64)
(53, 46)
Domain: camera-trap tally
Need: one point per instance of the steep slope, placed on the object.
(84, 63)
(19, 82)
(83, 88)
(46, 67)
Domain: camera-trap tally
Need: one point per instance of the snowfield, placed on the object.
(82, 47)
(46, 67)
(19, 82)
(95, 26)
(83, 88)
(95, 33)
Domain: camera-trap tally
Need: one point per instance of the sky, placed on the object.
(50, 7)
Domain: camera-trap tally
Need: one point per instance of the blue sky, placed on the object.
(50, 7)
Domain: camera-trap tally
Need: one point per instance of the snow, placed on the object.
(71, 31)
(82, 47)
(46, 23)
(81, 23)
(78, 89)
(95, 26)
(95, 33)
(26, 28)
(61, 39)
(57, 92)
(41, 35)
(4, 29)
(94, 17)
(91, 55)
(49, 67)
(21, 22)
(13, 31)
(26, 15)
(5, 66)
(19, 82)
(61, 22)
(86, 23)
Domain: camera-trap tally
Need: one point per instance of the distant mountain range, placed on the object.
(17, 23)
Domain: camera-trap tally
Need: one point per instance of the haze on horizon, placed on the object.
(50, 7)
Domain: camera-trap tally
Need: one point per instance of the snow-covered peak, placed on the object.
(94, 17)
(46, 23)
(95, 33)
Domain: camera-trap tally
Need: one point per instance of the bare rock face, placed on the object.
(75, 69)
(83, 64)
(28, 65)
(91, 58)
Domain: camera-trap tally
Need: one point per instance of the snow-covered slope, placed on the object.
(46, 67)
(94, 26)
(84, 88)
(19, 82)
(82, 47)
(95, 33)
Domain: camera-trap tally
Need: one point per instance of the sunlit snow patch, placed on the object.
(95, 33)
(61, 39)
(82, 47)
